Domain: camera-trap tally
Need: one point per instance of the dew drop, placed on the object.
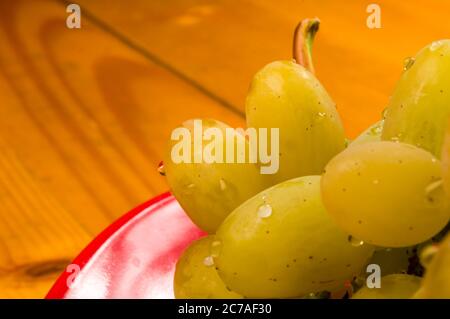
(408, 63)
(347, 142)
(375, 181)
(376, 130)
(161, 169)
(320, 116)
(189, 189)
(435, 45)
(208, 261)
(264, 211)
(223, 184)
(354, 241)
(216, 247)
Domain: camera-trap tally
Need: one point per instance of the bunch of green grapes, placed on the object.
(334, 209)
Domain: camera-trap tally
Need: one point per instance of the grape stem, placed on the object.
(303, 39)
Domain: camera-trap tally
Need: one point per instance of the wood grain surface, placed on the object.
(83, 123)
(85, 113)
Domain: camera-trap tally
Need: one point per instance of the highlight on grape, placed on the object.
(230, 149)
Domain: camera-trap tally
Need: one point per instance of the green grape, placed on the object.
(372, 134)
(395, 286)
(287, 96)
(436, 283)
(282, 244)
(208, 192)
(196, 276)
(385, 193)
(445, 157)
(420, 105)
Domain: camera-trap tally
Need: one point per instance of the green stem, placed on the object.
(303, 39)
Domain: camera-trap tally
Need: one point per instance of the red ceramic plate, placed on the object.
(135, 257)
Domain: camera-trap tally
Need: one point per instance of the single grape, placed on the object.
(208, 192)
(287, 95)
(419, 108)
(281, 243)
(395, 286)
(196, 276)
(385, 193)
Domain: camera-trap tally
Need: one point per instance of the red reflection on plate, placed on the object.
(135, 257)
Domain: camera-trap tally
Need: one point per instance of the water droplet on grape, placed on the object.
(354, 241)
(223, 184)
(375, 181)
(408, 63)
(264, 211)
(208, 261)
(161, 169)
(189, 189)
(216, 247)
(320, 116)
(347, 142)
(435, 45)
(375, 130)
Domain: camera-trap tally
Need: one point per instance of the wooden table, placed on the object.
(85, 113)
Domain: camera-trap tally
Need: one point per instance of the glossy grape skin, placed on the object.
(385, 193)
(195, 280)
(372, 134)
(209, 192)
(285, 95)
(294, 251)
(395, 286)
(436, 283)
(445, 158)
(420, 105)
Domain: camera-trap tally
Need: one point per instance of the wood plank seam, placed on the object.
(155, 59)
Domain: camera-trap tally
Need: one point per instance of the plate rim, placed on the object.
(59, 288)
